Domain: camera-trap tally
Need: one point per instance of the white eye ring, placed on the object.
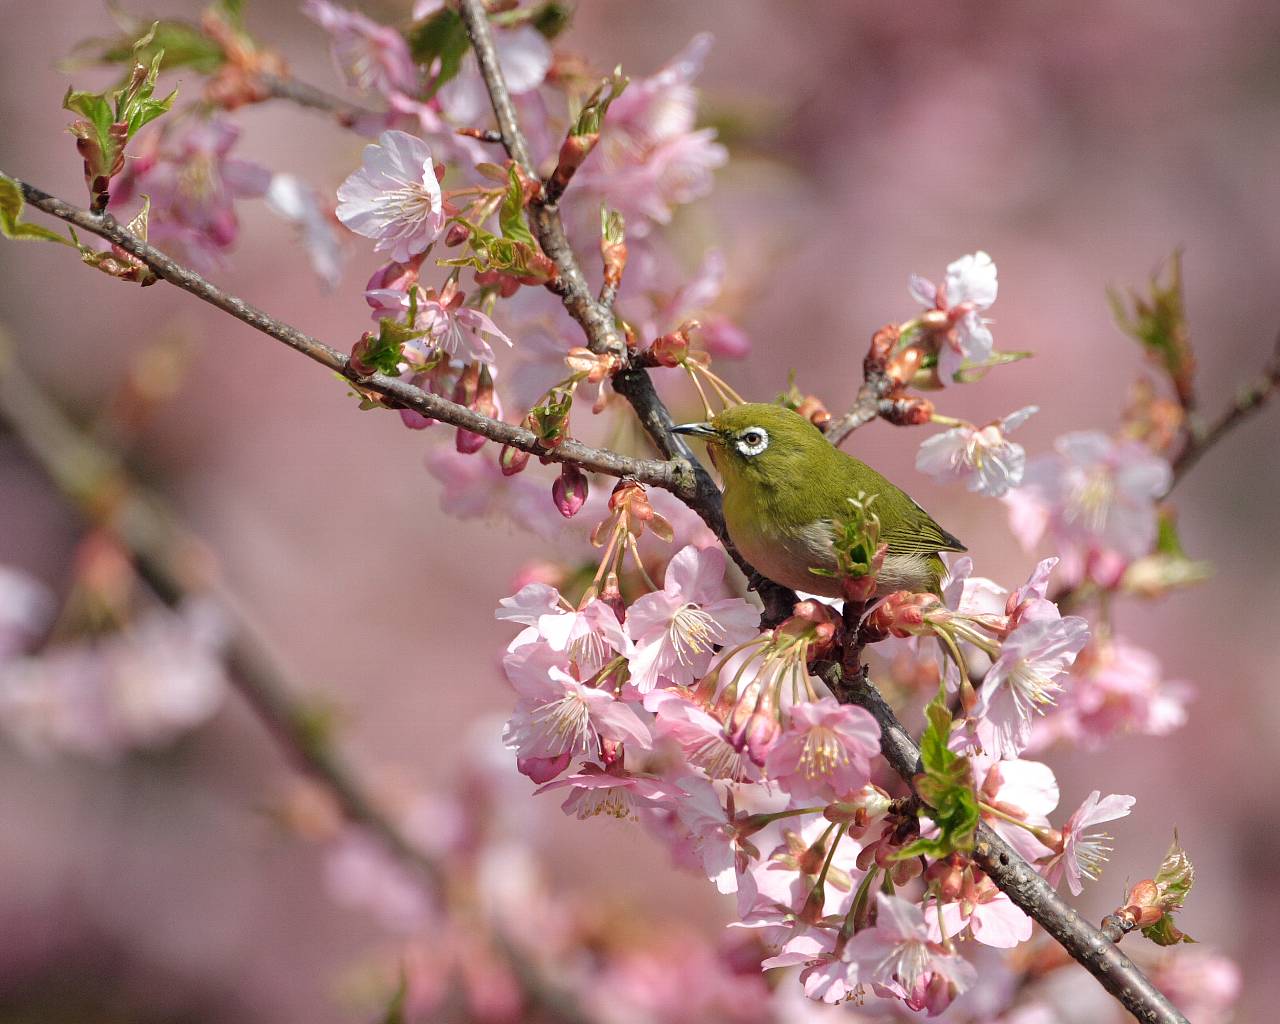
(752, 441)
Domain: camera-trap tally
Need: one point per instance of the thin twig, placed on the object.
(1013, 875)
(166, 555)
(313, 98)
(671, 475)
(596, 319)
(1249, 401)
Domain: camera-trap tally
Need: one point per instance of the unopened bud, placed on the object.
(457, 234)
(358, 351)
(512, 460)
(902, 367)
(569, 490)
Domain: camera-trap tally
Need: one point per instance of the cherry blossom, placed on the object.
(193, 184)
(612, 792)
(1081, 854)
(458, 329)
(982, 458)
(1115, 689)
(676, 629)
(299, 203)
(650, 157)
(898, 959)
(395, 197)
(1095, 495)
(525, 59)
(26, 607)
(983, 911)
(953, 308)
(372, 57)
(825, 751)
(1024, 678)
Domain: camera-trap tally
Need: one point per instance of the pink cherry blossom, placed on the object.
(588, 636)
(558, 715)
(984, 912)
(1024, 678)
(825, 751)
(372, 57)
(699, 736)
(525, 58)
(26, 608)
(1021, 789)
(982, 458)
(1083, 854)
(613, 792)
(457, 329)
(143, 686)
(395, 197)
(676, 629)
(360, 873)
(899, 960)
(297, 202)
(1115, 689)
(650, 158)
(969, 287)
(1096, 495)
(193, 184)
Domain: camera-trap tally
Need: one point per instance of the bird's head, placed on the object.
(759, 443)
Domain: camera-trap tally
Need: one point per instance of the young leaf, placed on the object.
(1159, 324)
(946, 786)
(11, 222)
(441, 37)
(511, 215)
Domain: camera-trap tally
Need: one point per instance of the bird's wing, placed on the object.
(921, 535)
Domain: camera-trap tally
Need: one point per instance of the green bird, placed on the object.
(785, 486)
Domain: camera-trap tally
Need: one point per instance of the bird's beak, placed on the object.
(695, 429)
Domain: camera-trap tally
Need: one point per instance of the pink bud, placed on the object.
(512, 460)
(569, 491)
(543, 769)
(761, 734)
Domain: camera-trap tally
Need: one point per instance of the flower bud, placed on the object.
(569, 490)
(456, 235)
(358, 351)
(512, 460)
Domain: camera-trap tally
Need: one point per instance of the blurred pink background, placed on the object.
(1078, 143)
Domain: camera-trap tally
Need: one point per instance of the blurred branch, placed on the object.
(306, 95)
(671, 475)
(174, 563)
(597, 321)
(1090, 946)
(1249, 401)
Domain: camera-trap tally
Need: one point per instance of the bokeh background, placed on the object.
(1079, 143)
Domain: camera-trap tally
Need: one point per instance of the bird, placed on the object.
(785, 488)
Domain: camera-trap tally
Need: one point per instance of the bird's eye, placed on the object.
(753, 441)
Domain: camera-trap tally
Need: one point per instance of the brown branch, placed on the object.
(165, 553)
(1090, 946)
(671, 475)
(309, 96)
(1249, 401)
(597, 321)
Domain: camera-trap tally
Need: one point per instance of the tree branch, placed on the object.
(313, 98)
(1249, 401)
(597, 322)
(166, 555)
(672, 475)
(1013, 875)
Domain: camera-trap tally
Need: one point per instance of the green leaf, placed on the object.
(442, 36)
(181, 43)
(1158, 322)
(592, 114)
(549, 419)
(385, 352)
(972, 372)
(946, 786)
(11, 222)
(511, 215)
(857, 540)
(94, 108)
(552, 18)
(1176, 877)
(1165, 933)
(492, 252)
